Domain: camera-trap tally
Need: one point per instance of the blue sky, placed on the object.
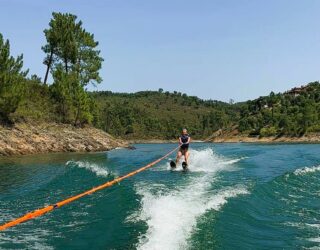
(237, 49)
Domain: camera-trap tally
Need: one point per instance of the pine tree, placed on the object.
(11, 79)
(72, 49)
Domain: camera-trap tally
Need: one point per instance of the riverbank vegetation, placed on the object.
(161, 115)
(72, 62)
(72, 59)
(292, 113)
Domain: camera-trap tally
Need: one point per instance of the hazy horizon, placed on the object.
(211, 49)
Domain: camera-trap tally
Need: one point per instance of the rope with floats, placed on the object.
(47, 209)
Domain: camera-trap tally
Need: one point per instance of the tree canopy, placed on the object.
(74, 62)
(11, 79)
(73, 59)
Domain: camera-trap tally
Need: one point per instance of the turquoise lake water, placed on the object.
(234, 196)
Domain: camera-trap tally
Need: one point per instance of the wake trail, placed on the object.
(306, 170)
(94, 168)
(171, 216)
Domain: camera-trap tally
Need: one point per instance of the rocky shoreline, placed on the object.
(156, 141)
(150, 141)
(23, 138)
(310, 138)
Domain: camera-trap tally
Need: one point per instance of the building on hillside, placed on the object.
(296, 91)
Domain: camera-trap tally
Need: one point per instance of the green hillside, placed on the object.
(158, 114)
(73, 60)
(292, 113)
(152, 114)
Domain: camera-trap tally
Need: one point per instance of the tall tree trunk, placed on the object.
(48, 67)
(78, 69)
(66, 65)
(77, 114)
(272, 115)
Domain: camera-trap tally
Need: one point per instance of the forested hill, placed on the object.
(292, 113)
(158, 114)
(72, 58)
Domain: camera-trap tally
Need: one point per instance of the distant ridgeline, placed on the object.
(73, 61)
(152, 114)
(292, 113)
(158, 114)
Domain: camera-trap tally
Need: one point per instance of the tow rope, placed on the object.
(47, 209)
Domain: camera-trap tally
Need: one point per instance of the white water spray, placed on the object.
(172, 216)
(306, 170)
(99, 171)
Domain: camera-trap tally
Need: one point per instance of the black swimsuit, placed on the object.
(184, 139)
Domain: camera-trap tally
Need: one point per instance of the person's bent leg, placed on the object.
(178, 157)
(186, 157)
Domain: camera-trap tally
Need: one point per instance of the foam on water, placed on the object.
(34, 240)
(172, 216)
(99, 171)
(205, 160)
(306, 170)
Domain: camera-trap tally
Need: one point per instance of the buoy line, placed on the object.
(47, 209)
